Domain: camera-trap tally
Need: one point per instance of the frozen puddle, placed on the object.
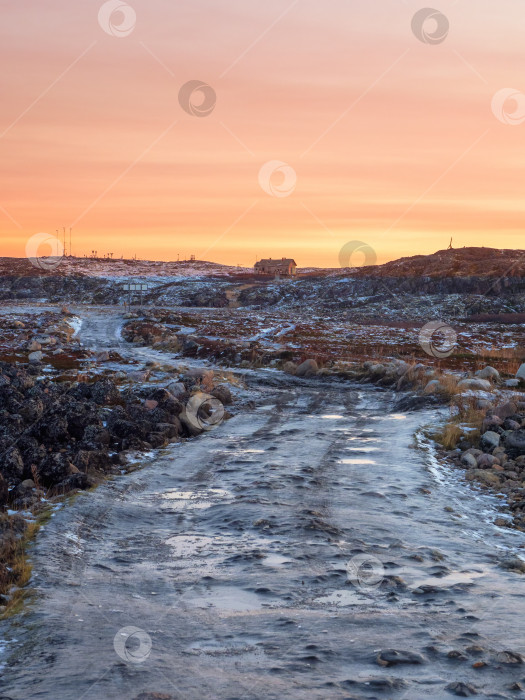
(180, 500)
(189, 545)
(226, 598)
(343, 597)
(356, 461)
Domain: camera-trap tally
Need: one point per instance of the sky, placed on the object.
(319, 125)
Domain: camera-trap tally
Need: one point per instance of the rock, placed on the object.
(512, 383)
(151, 696)
(28, 484)
(491, 421)
(520, 374)
(514, 442)
(505, 410)
(102, 356)
(490, 440)
(150, 404)
(394, 657)
(177, 389)
(55, 468)
(12, 465)
(489, 478)
(469, 460)
(34, 346)
(462, 690)
(488, 373)
(434, 386)
(35, 356)
(4, 491)
(105, 391)
(308, 368)
(513, 563)
(222, 393)
(290, 367)
(475, 385)
(509, 658)
(485, 461)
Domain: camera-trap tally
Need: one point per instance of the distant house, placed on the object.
(284, 266)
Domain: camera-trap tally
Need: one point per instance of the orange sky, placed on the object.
(393, 141)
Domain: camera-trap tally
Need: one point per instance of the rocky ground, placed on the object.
(71, 417)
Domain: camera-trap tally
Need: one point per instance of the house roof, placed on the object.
(281, 261)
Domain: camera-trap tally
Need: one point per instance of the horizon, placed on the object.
(115, 259)
(283, 142)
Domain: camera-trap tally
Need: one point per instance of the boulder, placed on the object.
(55, 468)
(177, 389)
(308, 368)
(222, 393)
(488, 373)
(512, 383)
(469, 460)
(490, 440)
(475, 385)
(434, 386)
(34, 346)
(35, 356)
(4, 491)
(486, 461)
(505, 410)
(290, 367)
(514, 442)
(485, 476)
(520, 374)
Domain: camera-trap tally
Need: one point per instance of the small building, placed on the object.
(284, 266)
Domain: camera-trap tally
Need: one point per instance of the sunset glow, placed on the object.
(393, 141)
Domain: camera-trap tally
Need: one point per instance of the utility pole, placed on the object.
(70, 249)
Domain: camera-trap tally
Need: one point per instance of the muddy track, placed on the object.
(230, 556)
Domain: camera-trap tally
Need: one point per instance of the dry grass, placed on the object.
(15, 567)
(467, 420)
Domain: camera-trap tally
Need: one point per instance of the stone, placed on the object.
(520, 374)
(102, 356)
(485, 461)
(490, 440)
(462, 690)
(514, 441)
(488, 373)
(290, 367)
(475, 385)
(4, 491)
(308, 368)
(434, 386)
(394, 657)
(469, 460)
(34, 346)
(177, 389)
(35, 356)
(505, 410)
(512, 383)
(223, 394)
